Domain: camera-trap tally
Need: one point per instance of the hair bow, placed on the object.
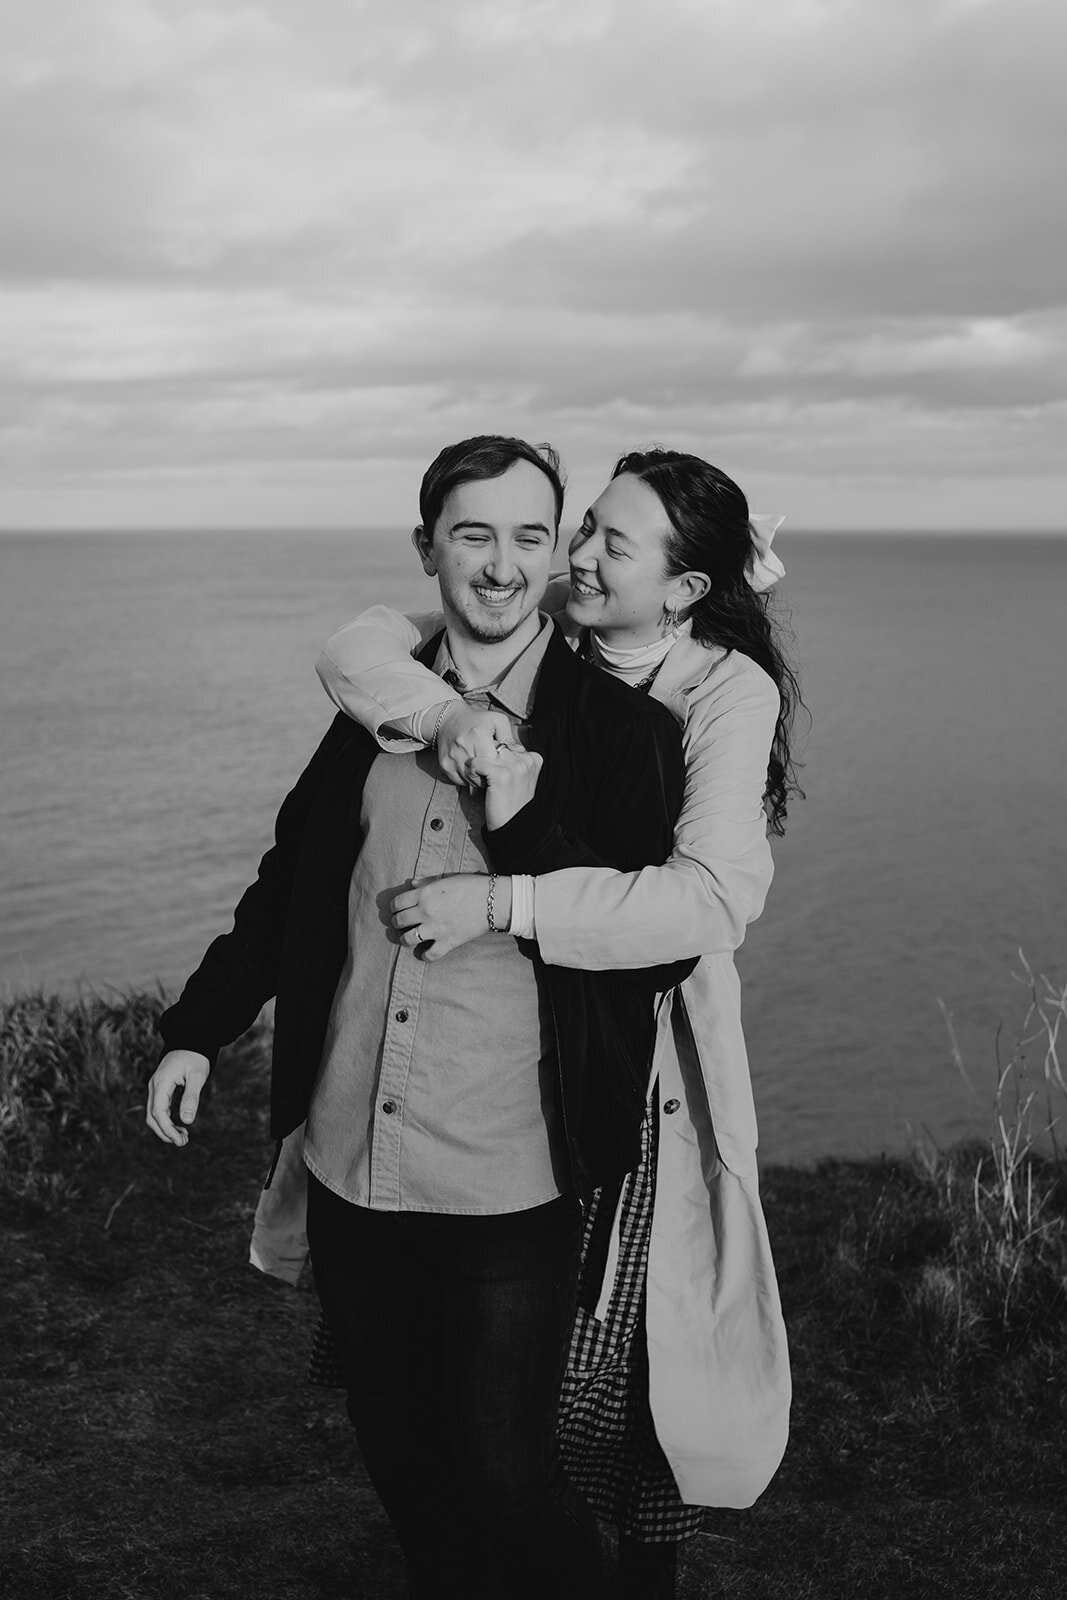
(764, 568)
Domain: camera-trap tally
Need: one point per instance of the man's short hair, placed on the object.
(489, 455)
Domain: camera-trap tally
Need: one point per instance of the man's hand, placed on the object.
(444, 913)
(510, 776)
(185, 1069)
(466, 735)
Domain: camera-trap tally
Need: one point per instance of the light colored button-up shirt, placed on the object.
(437, 1085)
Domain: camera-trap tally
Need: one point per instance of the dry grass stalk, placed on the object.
(1010, 1235)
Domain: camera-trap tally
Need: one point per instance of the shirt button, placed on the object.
(436, 824)
(403, 1014)
(388, 1106)
(671, 1105)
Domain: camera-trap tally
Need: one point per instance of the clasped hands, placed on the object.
(475, 749)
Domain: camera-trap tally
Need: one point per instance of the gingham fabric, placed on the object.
(607, 1440)
(324, 1366)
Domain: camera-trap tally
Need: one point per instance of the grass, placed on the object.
(1004, 1278)
(69, 1076)
(159, 1443)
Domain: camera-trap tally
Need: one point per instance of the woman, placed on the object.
(678, 1389)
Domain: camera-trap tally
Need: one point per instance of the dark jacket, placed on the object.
(608, 794)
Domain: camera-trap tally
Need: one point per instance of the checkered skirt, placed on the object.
(324, 1362)
(606, 1436)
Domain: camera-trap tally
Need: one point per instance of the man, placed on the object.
(457, 1111)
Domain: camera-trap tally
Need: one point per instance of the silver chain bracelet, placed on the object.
(490, 908)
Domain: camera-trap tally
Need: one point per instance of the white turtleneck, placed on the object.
(636, 662)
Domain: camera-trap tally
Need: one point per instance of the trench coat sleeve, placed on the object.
(369, 673)
(239, 972)
(646, 767)
(368, 670)
(716, 879)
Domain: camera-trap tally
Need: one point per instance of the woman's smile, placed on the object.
(582, 585)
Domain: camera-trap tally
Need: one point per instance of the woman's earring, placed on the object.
(669, 623)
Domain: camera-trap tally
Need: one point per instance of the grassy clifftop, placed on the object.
(159, 1440)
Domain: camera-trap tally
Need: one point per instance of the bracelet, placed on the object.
(490, 909)
(441, 715)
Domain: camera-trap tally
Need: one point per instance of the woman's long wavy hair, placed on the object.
(710, 533)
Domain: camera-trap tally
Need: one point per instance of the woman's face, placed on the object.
(618, 585)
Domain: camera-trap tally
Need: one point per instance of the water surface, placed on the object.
(158, 698)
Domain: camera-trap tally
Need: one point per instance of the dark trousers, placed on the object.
(452, 1333)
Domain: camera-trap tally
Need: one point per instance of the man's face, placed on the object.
(491, 550)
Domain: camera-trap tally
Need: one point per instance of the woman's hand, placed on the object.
(445, 913)
(467, 735)
(510, 776)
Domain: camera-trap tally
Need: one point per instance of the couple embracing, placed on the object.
(498, 919)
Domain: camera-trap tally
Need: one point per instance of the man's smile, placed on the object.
(492, 596)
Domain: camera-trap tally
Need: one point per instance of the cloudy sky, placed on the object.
(260, 259)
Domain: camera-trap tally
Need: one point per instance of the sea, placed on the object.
(158, 698)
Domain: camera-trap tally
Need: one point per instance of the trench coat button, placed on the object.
(403, 1014)
(388, 1106)
(436, 824)
(671, 1105)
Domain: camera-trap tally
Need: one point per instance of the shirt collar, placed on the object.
(516, 690)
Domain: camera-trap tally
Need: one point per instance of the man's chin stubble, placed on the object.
(493, 630)
(485, 635)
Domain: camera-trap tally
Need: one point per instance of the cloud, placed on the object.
(252, 238)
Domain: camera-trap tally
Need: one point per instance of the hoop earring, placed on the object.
(669, 621)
